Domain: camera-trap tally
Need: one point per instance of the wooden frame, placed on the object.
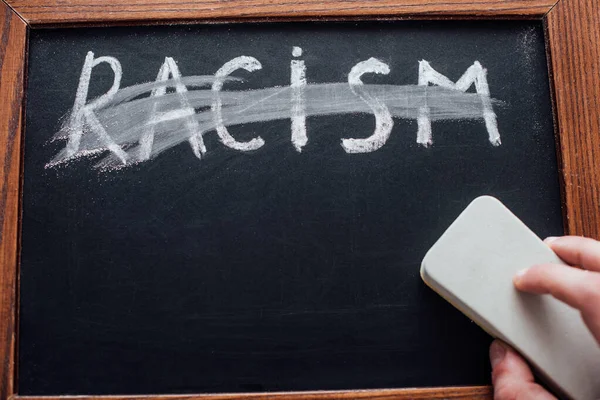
(573, 39)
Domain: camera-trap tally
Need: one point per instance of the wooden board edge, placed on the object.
(273, 20)
(573, 28)
(464, 392)
(13, 44)
(39, 13)
(555, 121)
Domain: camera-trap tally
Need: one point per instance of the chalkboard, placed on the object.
(258, 224)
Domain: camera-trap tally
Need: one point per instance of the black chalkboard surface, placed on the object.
(159, 256)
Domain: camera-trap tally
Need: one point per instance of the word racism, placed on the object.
(129, 128)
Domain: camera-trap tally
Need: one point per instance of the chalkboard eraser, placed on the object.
(472, 266)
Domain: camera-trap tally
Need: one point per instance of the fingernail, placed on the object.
(519, 275)
(497, 353)
(550, 239)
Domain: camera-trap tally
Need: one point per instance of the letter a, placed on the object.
(169, 68)
(298, 83)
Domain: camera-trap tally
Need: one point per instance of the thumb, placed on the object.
(512, 377)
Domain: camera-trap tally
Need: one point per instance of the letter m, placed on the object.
(476, 75)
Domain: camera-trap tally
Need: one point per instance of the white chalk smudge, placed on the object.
(105, 139)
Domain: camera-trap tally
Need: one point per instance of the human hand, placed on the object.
(511, 376)
(577, 287)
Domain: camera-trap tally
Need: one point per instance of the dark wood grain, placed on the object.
(40, 12)
(12, 56)
(574, 41)
(473, 393)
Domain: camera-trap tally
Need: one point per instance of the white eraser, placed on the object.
(472, 266)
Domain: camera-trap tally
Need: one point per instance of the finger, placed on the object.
(576, 287)
(512, 377)
(577, 250)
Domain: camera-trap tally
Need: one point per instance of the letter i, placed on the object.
(298, 103)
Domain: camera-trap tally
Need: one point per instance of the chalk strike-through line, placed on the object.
(125, 127)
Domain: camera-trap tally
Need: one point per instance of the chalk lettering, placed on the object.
(383, 118)
(82, 114)
(298, 83)
(169, 68)
(111, 124)
(477, 75)
(249, 64)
